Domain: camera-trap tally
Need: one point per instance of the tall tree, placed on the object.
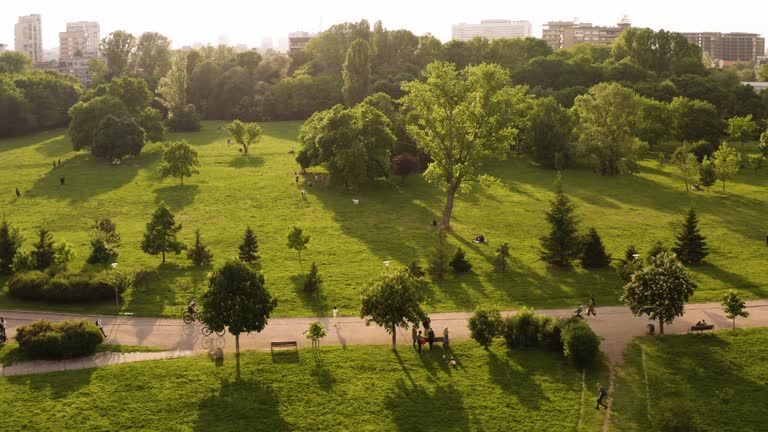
(104, 242)
(393, 300)
(659, 290)
(248, 251)
(690, 247)
(297, 240)
(461, 119)
(500, 263)
(694, 120)
(733, 306)
(179, 160)
(118, 48)
(173, 90)
(152, 55)
(10, 242)
(562, 245)
(43, 251)
(160, 235)
(707, 174)
(245, 134)
(593, 253)
(199, 253)
(13, 62)
(357, 73)
(607, 117)
(741, 129)
(548, 136)
(727, 162)
(237, 298)
(117, 138)
(690, 169)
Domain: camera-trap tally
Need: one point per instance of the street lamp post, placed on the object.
(117, 294)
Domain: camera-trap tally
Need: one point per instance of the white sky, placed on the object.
(248, 21)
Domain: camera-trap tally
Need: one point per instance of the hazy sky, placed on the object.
(249, 21)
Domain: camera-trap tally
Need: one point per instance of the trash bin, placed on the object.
(651, 330)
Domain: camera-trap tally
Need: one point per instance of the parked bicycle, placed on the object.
(190, 318)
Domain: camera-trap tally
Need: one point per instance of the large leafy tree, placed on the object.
(659, 290)
(353, 143)
(547, 137)
(657, 51)
(87, 116)
(245, 134)
(179, 160)
(173, 90)
(117, 138)
(10, 242)
(357, 73)
(461, 119)
(484, 325)
(12, 62)
(152, 55)
(393, 300)
(741, 129)
(562, 245)
(694, 120)
(690, 169)
(118, 48)
(15, 110)
(727, 162)
(238, 299)
(733, 306)
(690, 247)
(607, 117)
(160, 234)
(50, 95)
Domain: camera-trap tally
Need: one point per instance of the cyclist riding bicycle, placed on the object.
(191, 308)
(3, 337)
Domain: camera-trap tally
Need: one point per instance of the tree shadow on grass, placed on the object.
(249, 161)
(324, 377)
(85, 178)
(731, 280)
(415, 408)
(316, 302)
(177, 197)
(242, 405)
(55, 147)
(517, 380)
(54, 385)
(282, 356)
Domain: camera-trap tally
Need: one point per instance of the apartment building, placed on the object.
(729, 47)
(81, 39)
(297, 41)
(28, 37)
(492, 29)
(566, 34)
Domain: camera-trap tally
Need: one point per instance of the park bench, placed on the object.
(283, 344)
(702, 328)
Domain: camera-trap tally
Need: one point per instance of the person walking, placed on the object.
(414, 334)
(18, 193)
(431, 338)
(3, 335)
(601, 394)
(446, 343)
(591, 306)
(101, 327)
(336, 316)
(419, 338)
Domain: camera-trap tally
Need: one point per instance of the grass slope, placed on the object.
(11, 353)
(349, 243)
(357, 388)
(723, 376)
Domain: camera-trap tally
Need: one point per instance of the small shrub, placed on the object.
(522, 329)
(199, 254)
(459, 263)
(183, 284)
(313, 282)
(46, 339)
(23, 261)
(625, 270)
(63, 287)
(550, 334)
(485, 325)
(657, 249)
(675, 416)
(580, 344)
(415, 270)
(629, 254)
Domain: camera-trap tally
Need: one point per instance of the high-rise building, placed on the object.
(81, 39)
(266, 44)
(492, 29)
(297, 41)
(28, 37)
(729, 47)
(566, 34)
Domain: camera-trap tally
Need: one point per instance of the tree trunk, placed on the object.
(182, 180)
(734, 323)
(446, 221)
(723, 185)
(237, 345)
(163, 257)
(394, 338)
(245, 150)
(661, 327)
(300, 265)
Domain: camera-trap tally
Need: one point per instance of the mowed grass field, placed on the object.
(392, 222)
(357, 388)
(723, 378)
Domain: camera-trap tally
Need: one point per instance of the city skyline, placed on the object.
(244, 23)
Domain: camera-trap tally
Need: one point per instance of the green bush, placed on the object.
(522, 329)
(63, 287)
(675, 416)
(46, 339)
(550, 333)
(580, 344)
(485, 325)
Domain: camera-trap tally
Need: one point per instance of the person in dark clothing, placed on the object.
(601, 394)
(18, 193)
(431, 338)
(61, 180)
(434, 224)
(59, 163)
(591, 306)
(54, 164)
(426, 323)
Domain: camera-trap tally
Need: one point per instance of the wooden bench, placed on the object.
(702, 328)
(283, 344)
(438, 339)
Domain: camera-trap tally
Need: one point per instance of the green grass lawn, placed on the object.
(392, 222)
(723, 376)
(10, 353)
(360, 388)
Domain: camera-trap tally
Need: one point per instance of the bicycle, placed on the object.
(188, 318)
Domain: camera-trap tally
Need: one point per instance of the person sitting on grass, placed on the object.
(480, 239)
(452, 362)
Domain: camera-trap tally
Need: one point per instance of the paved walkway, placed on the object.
(615, 324)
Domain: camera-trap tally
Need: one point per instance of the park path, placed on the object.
(615, 324)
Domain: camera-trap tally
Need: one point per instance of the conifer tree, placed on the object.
(10, 242)
(199, 254)
(249, 248)
(459, 263)
(160, 235)
(593, 254)
(502, 255)
(313, 282)
(562, 244)
(438, 266)
(690, 246)
(43, 251)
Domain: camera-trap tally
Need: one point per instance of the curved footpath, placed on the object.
(615, 324)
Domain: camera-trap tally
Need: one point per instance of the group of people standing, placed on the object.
(428, 336)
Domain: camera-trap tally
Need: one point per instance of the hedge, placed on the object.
(36, 285)
(580, 343)
(46, 339)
